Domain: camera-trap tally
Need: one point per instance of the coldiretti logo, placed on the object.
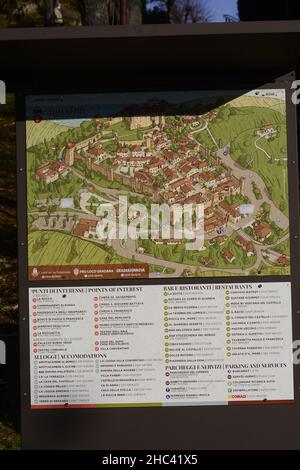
(2, 92)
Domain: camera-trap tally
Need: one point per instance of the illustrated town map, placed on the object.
(225, 151)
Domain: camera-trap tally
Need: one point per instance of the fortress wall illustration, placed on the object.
(137, 186)
(85, 143)
(130, 142)
(77, 156)
(111, 175)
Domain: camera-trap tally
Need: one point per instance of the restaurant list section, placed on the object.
(160, 345)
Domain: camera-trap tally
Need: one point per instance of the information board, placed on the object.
(160, 239)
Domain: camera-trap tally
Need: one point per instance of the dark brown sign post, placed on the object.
(146, 342)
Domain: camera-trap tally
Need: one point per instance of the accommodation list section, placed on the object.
(92, 346)
(160, 345)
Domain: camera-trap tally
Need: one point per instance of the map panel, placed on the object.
(99, 165)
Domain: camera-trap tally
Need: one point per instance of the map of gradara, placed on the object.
(227, 153)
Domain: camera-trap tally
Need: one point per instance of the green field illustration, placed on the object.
(227, 153)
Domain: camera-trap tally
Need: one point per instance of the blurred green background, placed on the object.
(9, 374)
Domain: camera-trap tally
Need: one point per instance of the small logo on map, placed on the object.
(37, 115)
(37, 118)
(220, 230)
(35, 272)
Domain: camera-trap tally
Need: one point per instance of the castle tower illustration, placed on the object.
(136, 122)
(148, 142)
(160, 121)
(89, 163)
(69, 154)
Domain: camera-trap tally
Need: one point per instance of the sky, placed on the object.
(218, 8)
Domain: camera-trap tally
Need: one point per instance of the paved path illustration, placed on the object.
(260, 148)
(266, 153)
(203, 128)
(251, 176)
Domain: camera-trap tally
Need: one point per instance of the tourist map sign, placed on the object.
(158, 187)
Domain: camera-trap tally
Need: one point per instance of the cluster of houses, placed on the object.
(261, 231)
(96, 152)
(85, 227)
(51, 171)
(240, 241)
(187, 171)
(284, 261)
(186, 176)
(267, 131)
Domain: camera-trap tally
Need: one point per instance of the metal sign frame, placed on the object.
(203, 427)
